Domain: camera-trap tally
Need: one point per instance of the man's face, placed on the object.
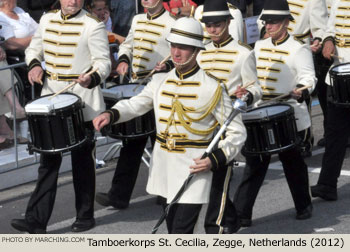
(182, 53)
(216, 30)
(149, 3)
(275, 29)
(70, 7)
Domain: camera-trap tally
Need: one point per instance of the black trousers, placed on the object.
(221, 211)
(296, 174)
(127, 169)
(42, 200)
(182, 218)
(337, 135)
(322, 66)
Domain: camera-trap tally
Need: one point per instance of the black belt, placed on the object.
(172, 143)
(61, 77)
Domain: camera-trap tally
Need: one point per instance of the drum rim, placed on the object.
(32, 148)
(332, 72)
(270, 152)
(289, 111)
(79, 101)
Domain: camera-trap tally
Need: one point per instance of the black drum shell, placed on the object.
(272, 134)
(340, 87)
(60, 131)
(141, 126)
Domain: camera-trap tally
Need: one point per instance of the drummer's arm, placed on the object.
(235, 135)
(305, 72)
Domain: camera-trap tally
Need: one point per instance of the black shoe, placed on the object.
(23, 226)
(304, 214)
(245, 222)
(325, 192)
(83, 225)
(321, 142)
(103, 199)
(231, 230)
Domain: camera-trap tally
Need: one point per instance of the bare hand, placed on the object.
(240, 92)
(316, 46)
(84, 80)
(35, 75)
(328, 49)
(2, 54)
(201, 165)
(159, 67)
(296, 94)
(122, 68)
(101, 121)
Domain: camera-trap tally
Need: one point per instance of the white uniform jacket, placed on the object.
(338, 30)
(71, 45)
(145, 44)
(187, 109)
(310, 17)
(281, 67)
(233, 63)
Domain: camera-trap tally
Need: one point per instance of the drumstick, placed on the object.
(152, 72)
(336, 56)
(284, 95)
(72, 84)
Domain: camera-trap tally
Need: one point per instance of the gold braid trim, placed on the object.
(182, 114)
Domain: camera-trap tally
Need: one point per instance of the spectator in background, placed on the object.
(122, 13)
(180, 8)
(6, 104)
(21, 25)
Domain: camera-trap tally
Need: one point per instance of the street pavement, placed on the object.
(274, 211)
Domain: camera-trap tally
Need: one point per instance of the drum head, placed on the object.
(46, 104)
(122, 91)
(266, 112)
(342, 69)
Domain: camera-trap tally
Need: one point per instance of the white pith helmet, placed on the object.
(187, 31)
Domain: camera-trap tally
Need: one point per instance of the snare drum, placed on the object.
(141, 126)
(57, 124)
(340, 84)
(270, 129)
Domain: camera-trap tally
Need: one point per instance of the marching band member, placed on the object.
(189, 103)
(283, 63)
(236, 25)
(337, 124)
(233, 63)
(142, 49)
(70, 41)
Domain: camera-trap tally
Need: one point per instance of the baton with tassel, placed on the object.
(239, 106)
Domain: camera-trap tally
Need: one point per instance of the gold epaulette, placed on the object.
(245, 45)
(53, 11)
(93, 17)
(299, 40)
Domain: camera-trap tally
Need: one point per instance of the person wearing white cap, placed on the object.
(141, 51)
(283, 64)
(233, 63)
(189, 104)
